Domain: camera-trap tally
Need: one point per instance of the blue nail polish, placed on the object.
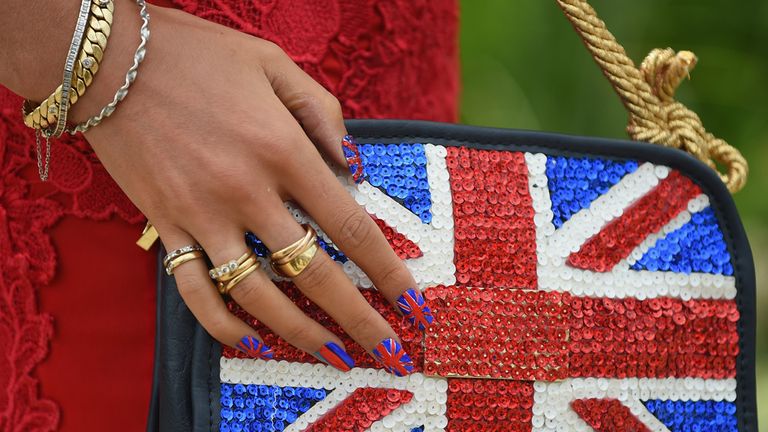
(414, 307)
(352, 155)
(333, 355)
(393, 357)
(254, 348)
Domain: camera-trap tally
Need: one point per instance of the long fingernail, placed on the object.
(254, 348)
(393, 357)
(414, 307)
(333, 355)
(352, 155)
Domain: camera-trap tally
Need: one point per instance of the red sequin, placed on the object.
(518, 334)
(403, 247)
(661, 337)
(608, 415)
(495, 238)
(489, 405)
(363, 407)
(648, 215)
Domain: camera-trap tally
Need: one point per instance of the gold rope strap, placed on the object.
(648, 95)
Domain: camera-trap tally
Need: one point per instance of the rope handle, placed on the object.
(648, 95)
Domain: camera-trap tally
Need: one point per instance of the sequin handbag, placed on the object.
(577, 284)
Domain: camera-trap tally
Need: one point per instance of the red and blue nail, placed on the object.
(254, 348)
(414, 307)
(393, 357)
(333, 355)
(352, 155)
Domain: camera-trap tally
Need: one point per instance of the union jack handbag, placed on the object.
(576, 284)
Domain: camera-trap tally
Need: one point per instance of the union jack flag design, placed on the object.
(568, 294)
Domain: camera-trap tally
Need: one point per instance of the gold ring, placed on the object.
(226, 287)
(294, 258)
(171, 265)
(299, 244)
(228, 267)
(293, 267)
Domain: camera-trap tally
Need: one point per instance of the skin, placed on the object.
(217, 131)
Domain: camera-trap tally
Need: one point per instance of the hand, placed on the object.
(215, 134)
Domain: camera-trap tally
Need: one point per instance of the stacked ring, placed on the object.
(228, 275)
(294, 258)
(180, 256)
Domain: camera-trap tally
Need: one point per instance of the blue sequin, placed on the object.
(699, 416)
(697, 246)
(418, 429)
(400, 171)
(575, 182)
(257, 408)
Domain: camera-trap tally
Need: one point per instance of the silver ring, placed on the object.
(181, 251)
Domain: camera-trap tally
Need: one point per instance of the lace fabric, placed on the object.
(360, 50)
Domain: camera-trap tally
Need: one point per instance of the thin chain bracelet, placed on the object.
(130, 76)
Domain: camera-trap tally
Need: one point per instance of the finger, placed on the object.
(358, 236)
(325, 284)
(205, 303)
(257, 295)
(316, 109)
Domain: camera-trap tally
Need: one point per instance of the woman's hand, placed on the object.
(218, 130)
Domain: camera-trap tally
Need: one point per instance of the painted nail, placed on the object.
(352, 155)
(414, 307)
(393, 357)
(333, 355)
(254, 348)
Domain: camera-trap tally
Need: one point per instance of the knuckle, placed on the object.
(331, 104)
(248, 292)
(361, 323)
(392, 274)
(355, 229)
(298, 334)
(271, 50)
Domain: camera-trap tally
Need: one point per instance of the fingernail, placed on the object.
(393, 357)
(352, 155)
(254, 348)
(414, 307)
(333, 355)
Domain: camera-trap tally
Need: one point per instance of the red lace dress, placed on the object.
(77, 296)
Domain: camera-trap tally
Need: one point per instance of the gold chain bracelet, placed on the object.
(91, 53)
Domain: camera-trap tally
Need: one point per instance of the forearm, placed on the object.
(34, 39)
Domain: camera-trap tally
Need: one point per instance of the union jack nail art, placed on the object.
(414, 307)
(254, 348)
(352, 154)
(393, 357)
(333, 355)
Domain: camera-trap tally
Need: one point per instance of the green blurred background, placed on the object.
(524, 67)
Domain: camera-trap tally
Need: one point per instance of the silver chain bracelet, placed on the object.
(130, 76)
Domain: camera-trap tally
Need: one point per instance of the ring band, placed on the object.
(228, 267)
(181, 259)
(225, 288)
(285, 252)
(294, 258)
(296, 265)
(181, 251)
(228, 275)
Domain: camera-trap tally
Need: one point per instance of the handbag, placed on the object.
(602, 284)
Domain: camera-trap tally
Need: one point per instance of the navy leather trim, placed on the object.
(187, 393)
(187, 370)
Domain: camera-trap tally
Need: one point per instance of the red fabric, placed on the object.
(96, 303)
